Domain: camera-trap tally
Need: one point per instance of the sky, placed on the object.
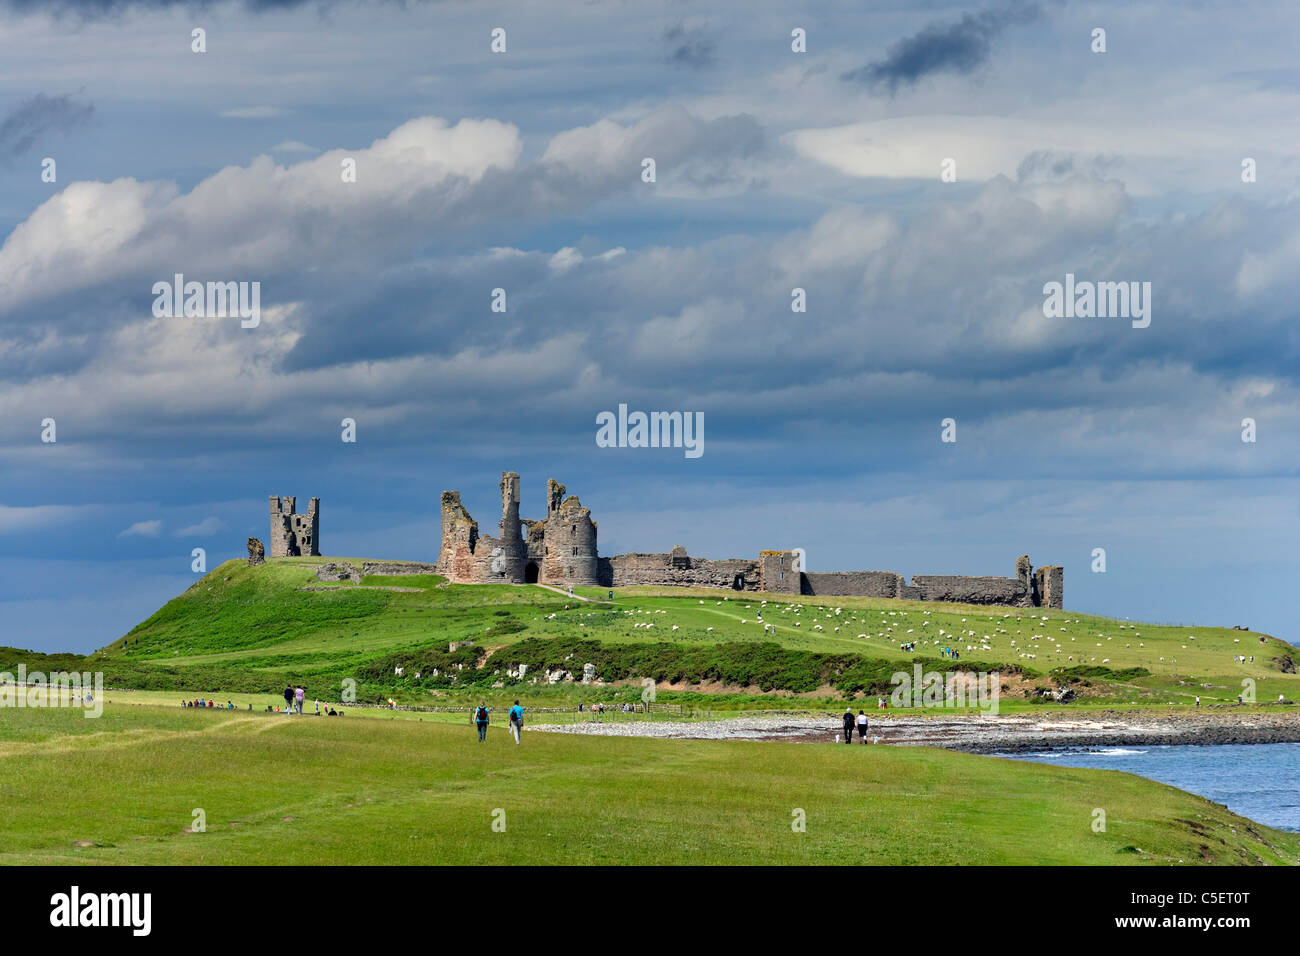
(921, 170)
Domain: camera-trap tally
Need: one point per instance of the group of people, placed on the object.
(1241, 659)
(950, 652)
(908, 647)
(293, 702)
(481, 716)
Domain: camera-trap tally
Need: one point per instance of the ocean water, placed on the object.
(1260, 781)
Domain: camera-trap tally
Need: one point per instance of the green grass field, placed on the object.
(414, 786)
(123, 788)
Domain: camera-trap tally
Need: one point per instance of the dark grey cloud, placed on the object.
(960, 47)
(31, 119)
(689, 48)
(1047, 165)
(92, 9)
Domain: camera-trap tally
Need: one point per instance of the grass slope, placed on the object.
(343, 791)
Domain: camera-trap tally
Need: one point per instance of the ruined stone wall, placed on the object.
(882, 584)
(625, 570)
(965, 589)
(467, 557)
(1051, 585)
(459, 540)
(397, 567)
(535, 540)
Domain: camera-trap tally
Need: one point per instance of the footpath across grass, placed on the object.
(132, 786)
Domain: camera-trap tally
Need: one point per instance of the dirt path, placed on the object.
(552, 587)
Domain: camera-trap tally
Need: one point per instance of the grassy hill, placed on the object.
(293, 790)
(251, 630)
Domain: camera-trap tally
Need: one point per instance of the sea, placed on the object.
(1259, 781)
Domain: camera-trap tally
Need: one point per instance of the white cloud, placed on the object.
(142, 529)
(205, 528)
(251, 220)
(15, 520)
(293, 146)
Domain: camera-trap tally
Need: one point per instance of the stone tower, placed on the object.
(293, 534)
(508, 563)
(570, 540)
(779, 572)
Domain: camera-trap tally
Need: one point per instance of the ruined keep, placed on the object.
(256, 553)
(293, 534)
(560, 550)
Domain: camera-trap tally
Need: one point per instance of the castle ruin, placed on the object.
(560, 550)
(293, 534)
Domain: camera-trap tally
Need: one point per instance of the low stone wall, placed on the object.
(398, 567)
(626, 570)
(963, 589)
(338, 572)
(343, 571)
(881, 584)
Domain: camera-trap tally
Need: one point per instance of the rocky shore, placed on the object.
(976, 733)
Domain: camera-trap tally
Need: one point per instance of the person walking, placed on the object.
(288, 700)
(480, 720)
(516, 722)
(298, 695)
(862, 726)
(848, 725)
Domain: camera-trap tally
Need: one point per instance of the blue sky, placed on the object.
(775, 170)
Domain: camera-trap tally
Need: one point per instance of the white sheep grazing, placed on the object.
(709, 629)
(674, 627)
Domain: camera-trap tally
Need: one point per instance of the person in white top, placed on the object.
(862, 726)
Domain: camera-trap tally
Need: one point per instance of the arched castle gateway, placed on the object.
(561, 550)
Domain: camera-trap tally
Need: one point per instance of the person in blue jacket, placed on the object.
(516, 722)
